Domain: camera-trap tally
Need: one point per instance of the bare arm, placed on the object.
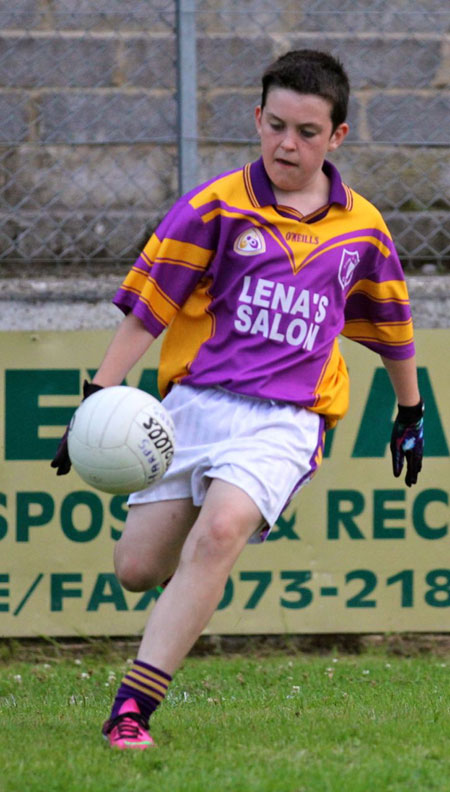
(403, 375)
(128, 345)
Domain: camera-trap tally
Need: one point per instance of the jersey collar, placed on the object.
(261, 193)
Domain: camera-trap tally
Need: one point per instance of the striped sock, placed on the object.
(145, 684)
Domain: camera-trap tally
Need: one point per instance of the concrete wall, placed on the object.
(82, 304)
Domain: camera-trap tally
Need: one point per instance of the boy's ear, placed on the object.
(258, 114)
(338, 136)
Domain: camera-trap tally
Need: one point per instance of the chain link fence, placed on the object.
(109, 109)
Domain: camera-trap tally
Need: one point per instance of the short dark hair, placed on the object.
(310, 72)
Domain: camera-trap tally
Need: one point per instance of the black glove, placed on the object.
(407, 442)
(61, 460)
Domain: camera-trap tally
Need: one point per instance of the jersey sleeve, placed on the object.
(377, 310)
(168, 270)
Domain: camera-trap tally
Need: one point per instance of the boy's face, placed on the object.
(296, 133)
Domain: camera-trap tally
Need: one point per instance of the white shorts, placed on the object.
(268, 449)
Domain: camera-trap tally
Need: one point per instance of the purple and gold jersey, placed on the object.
(254, 295)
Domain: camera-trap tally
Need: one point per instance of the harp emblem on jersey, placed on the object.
(250, 243)
(349, 262)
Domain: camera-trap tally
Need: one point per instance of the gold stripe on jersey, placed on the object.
(291, 211)
(147, 260)
(333, 355)
(184, 254)
(307, 218)
(151, 249)
(249, 185)
(384, 250)
(381, 291)
(135, 280)
(349, 194)
(142, 283)
(386, 333)
(221, 211)
(150, 293)
(331, 390)
(191, 328)
(230, 187)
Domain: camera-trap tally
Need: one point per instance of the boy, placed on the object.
(254, 274)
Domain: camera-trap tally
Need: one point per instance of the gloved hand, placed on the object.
(61, 460)
(407, 442)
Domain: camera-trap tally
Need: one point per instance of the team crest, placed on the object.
(250, 243)
(349, 262)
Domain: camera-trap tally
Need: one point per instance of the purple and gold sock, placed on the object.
(145, 684)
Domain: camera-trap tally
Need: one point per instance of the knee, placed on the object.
(216, 539)
(133, 574)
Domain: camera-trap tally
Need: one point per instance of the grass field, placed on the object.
(238, 723)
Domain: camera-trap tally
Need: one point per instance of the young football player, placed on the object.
(253, 276)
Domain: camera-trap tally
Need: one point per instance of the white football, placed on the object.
(121, 440)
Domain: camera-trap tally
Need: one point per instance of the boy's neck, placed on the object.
(307, 200)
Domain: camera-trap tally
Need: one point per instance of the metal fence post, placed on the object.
(187, 95)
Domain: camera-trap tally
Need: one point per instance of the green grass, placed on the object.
(278, 723)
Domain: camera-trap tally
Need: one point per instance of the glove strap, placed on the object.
(410, 415)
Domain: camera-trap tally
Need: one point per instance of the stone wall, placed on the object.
(88, 157)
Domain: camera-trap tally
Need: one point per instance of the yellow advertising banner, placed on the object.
(356, 550)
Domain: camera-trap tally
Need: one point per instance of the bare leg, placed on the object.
(149, 549)
(225, 523)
